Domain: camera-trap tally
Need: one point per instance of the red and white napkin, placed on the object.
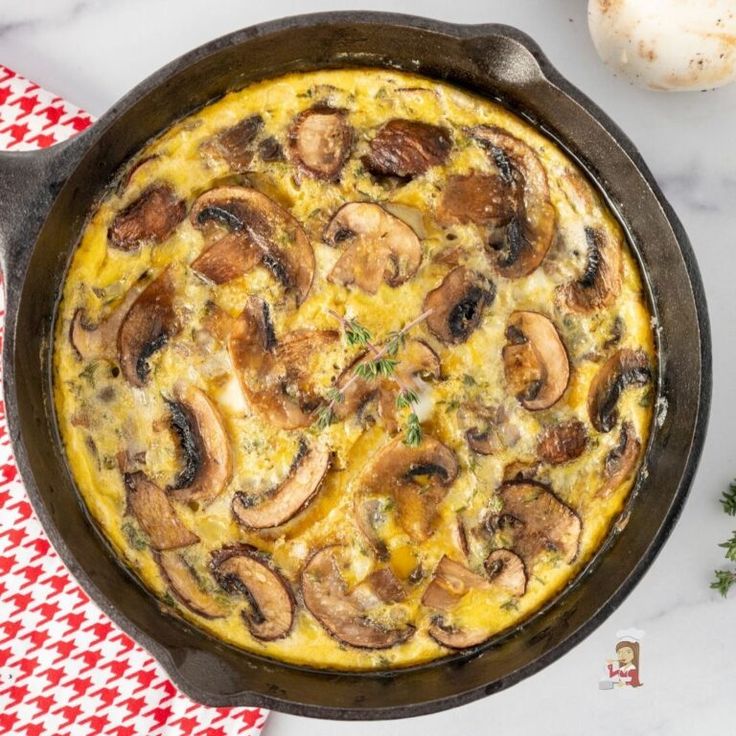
(65, 668)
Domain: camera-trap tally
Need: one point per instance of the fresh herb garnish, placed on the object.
(723, 580)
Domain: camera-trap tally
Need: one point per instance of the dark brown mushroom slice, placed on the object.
(563, 442)
(625, 368)
(341, 614)
(369, 515)
(481, 430)
(482, 199)
(418, 477)
(241, 570)
(152, 508)
(229, 257)
(91, 342)
(184, 586)
(377, 247)
(234, 145)
(455, 637)
(284, 247)
(600, 283)
(270, 150)
(320, 140)
(150, 218)
(521, 245)
(450, 582)
(457, 304)
(538, 521)
(621, 462)
(507, 570)
(535, 360)
(407, 148)
(204, 444)
(380, 586)
(291, 496)
(272, 373)
(417, 359)
(147, 327)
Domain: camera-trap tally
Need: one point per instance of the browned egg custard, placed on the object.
(353, 369)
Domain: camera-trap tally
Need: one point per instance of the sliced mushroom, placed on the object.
(485, 427)
(600, 283)
(320, 140)
(457, 304)
(100, 341)
(185, 587)
(284, 247)
(538, 521)
(241, 569)
(231, 256)
(418, 477)
(506, 570)
(153, 510)
(234, 145)
(378, 247)
(620, 463)
(624, 368)
(451, 581)
(146, 327)
(291, 497)
(407, 148)
(483, 199)
(562, 442)
(524, 241)
(204, 443)
(149, 219)
(417, 359)
(342, 614)
(535, 360)
(272, 374)
(455, 637)
(381, 586)
(369, 515)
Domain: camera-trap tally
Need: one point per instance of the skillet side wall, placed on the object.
(492, 60)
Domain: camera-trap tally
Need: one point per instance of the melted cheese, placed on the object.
(99, 413)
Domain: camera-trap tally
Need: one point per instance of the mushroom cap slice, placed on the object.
(146, 327)
(292, 496)
(369, 514)
(457, 638)
(206, 445)
(457, 304)
(621, 462)
(483, 199)
(626, 367)
(285, 249)
(272, 374)
(341, 613)
(151, 218)
(451, 581)
(320, 140)
(528, 235)
(231, 256)
(535, 360)
(507, 570)
(100, 341)
(234, 144)
(185, 587)
(562, 442)
(153, 510)
(378, 247)
(539, 521)
(600, 283)
(407, 148)
(240, 569)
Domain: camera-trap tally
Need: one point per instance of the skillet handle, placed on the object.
(29, 183)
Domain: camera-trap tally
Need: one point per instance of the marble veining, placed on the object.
(93, 51)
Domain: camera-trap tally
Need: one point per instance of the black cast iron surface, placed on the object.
(45, 198)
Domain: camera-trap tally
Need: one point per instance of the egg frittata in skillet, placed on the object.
(353, 369)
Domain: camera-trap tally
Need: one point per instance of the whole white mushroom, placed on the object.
(667, 44)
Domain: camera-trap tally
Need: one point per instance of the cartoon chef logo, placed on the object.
(624, 670)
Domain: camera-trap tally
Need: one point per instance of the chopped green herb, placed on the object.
(723, 580)
(413, 431)
(728, 499)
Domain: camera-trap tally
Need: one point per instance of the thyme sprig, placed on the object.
(382, 365)
(723, 580)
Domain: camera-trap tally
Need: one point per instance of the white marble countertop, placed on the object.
(92, 51)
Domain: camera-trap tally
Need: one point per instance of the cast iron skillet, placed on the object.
(45, 197)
